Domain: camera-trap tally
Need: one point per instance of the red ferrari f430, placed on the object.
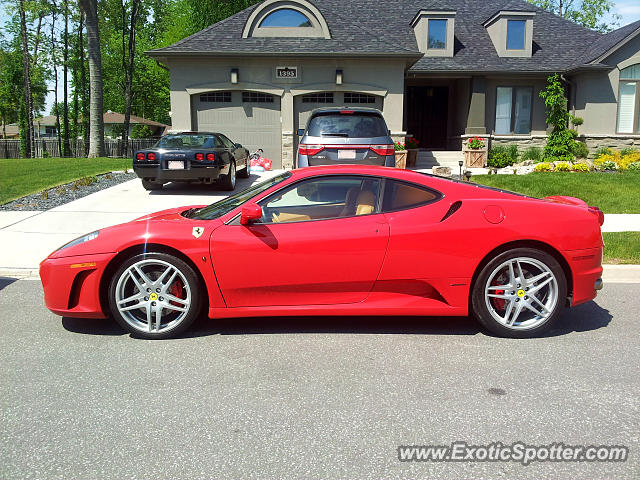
(339, 240)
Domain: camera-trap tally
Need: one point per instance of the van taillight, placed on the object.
(383, 149)
(310, 149)
(598, 213)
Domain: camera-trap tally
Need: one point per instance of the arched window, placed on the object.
(629, 100)
(285, 17)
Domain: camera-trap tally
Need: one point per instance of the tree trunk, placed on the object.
(65, 112)
(55, 76)
(28, 97)
(83, 88)
(128, 65)
(96, 119)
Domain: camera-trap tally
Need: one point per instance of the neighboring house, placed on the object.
(10, 130)
(440, 71)
(45, 127)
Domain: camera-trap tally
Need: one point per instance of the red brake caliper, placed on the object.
(499, 303)
(177, 291)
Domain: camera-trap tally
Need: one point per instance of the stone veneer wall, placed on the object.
(288, 155)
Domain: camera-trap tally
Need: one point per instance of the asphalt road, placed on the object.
(307, 398)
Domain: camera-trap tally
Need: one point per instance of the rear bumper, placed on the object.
(191, 173)
(305, 161)
(586, 270)
(72, 285)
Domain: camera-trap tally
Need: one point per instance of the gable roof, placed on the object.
(374, 27)
(608, 42)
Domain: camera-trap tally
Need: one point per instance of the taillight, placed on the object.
(211, 157)
(598, 213)
(382, 149)
(310, 149)
(139, 156)
(200, 156)
(347, 112)
(151, 156)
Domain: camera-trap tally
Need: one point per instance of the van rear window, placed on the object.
(348, 125)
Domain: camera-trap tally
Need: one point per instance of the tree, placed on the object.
(588, 13)
(96, 120)
(561, 141)
(128, 57)
(28, 98)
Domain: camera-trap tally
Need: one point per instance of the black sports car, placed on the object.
(202, 157)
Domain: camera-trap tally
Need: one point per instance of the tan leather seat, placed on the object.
(366, 203)
(289, 217)
(350, 202)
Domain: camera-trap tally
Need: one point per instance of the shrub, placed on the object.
(609, 165)
(625, 160)
(603, 151)
(562, 167)
(634, 167)
(561, 140)
(628, 151)
(499, 159)
(580, 167)
(543, 167)
(532, 153)
(141, 131)
(580, 150)
(576, 121)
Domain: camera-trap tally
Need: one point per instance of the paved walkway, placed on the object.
(28, 237)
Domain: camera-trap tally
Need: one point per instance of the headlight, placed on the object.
(79, 240)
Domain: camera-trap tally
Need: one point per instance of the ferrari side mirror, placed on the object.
(250, 213)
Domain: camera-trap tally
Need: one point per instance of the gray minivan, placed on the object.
(345, 135)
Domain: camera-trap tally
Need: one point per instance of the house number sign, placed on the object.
(286, 72)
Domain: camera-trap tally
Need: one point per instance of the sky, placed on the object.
(629, 11)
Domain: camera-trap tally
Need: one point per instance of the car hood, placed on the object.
(168, 214)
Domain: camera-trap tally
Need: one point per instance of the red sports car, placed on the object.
(339, 240)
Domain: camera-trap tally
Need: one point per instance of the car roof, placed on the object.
(194, 133)
(351, 109)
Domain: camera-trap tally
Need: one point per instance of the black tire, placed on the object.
(244, 173)
(484, 306)
(228, 182)
(172, 322)
(151, 185)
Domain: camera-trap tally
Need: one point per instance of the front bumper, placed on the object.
(72, 284)
(190, 173)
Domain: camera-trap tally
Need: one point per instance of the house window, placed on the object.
(437, 34)
(359, 98)
(256, 97)
(285, 17)
(629, 100)
(321, 97)
(513, 110)
(216, 97)
(515, 34)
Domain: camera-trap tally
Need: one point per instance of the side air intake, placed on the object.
(452, 209)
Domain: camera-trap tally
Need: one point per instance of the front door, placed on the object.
(427, 109)
(320, 242)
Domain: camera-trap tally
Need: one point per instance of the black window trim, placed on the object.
(235, 220)
(513, 110)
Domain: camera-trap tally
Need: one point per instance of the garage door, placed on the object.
(249, 118)
(305, 104)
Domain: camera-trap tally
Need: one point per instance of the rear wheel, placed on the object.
(228, 181)
(155, 295)
(520, 293)
(151, 185)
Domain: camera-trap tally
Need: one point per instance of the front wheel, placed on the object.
(154, 295)
(520, 293)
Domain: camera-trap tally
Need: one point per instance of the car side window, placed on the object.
(219, 143)
(401, 196)
(322, 199)
(227, 143)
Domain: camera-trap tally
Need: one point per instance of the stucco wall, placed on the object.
(596, 93)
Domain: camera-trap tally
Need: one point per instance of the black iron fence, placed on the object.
(49, 147)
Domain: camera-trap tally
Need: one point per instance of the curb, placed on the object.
(611, 273)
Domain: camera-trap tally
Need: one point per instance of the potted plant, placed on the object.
(401, 155)
(475, 152)
(412, 151)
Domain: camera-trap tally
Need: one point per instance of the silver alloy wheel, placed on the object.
(521, 293)
(146, 296)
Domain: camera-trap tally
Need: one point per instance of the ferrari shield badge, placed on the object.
(197, 231)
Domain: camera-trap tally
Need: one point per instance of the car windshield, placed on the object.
(184, 140)
(349, 125)
(224, 206)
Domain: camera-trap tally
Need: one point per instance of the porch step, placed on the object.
(434, 158)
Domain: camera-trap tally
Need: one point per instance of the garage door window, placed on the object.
(359, 98)
(216, 97)
(256, 97)
(322, 97)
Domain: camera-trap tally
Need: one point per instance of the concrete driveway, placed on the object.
(28, 237)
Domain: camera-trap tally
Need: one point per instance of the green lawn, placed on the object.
(611, 192)
(621, 247)
(20, 177)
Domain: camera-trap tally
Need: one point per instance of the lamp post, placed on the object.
(460, 162)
